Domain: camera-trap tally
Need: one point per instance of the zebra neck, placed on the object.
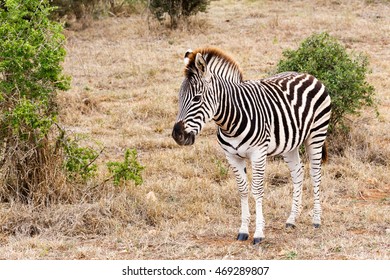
(225, 70)
(231, 115)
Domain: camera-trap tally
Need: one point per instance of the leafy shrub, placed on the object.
(31, 53)
(129, 169)
(79, 8)
(343, 74)
(177, 9)
(79, 162)
(83, 8)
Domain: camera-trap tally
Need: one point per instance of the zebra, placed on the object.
(256, 119)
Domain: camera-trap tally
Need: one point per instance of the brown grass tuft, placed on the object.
(33, 173)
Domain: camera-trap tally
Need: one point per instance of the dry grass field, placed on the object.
(126, 74)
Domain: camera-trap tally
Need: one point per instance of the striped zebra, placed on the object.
(256, 119)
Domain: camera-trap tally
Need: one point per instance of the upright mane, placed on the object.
(211, 54)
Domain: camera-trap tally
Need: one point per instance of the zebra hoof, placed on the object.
(290, 226)
(317, 225)
(242, 236)
(257, 240)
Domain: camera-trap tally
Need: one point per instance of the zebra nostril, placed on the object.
(178, 128)
(178, 131)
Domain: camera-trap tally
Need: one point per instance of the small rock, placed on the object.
(387, 231)
(151, 197)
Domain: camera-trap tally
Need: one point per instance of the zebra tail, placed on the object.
(324, 153)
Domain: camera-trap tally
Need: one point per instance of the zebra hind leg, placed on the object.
(314, 152)
(296, 169)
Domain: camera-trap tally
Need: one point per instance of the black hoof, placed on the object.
(242, 236)
(290, 226)
(316, 225)
(257, 240)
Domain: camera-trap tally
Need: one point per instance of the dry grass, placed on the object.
(126, 78)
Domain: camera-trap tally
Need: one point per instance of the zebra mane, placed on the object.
(211, 54)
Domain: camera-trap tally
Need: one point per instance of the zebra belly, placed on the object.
(274, 149)
(246, 149)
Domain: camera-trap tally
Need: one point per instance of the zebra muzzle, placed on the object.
(181, 136)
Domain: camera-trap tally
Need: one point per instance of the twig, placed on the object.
(92, 161)
(361, 195)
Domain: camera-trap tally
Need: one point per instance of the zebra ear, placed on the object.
(201, 65)
(186, 59)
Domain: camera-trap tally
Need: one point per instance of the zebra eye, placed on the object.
(196, 98)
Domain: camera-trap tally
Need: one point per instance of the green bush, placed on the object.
(129, 169)
(343, 74)
(31, 53)
(79, 8)
(177, 9)
(83, 8)
(79, 161)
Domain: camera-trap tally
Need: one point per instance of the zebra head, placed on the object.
(195, 101)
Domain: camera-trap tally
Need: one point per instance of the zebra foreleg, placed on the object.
(239, 168)
(296, 169)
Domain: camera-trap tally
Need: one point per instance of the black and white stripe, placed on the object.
(255, 119)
